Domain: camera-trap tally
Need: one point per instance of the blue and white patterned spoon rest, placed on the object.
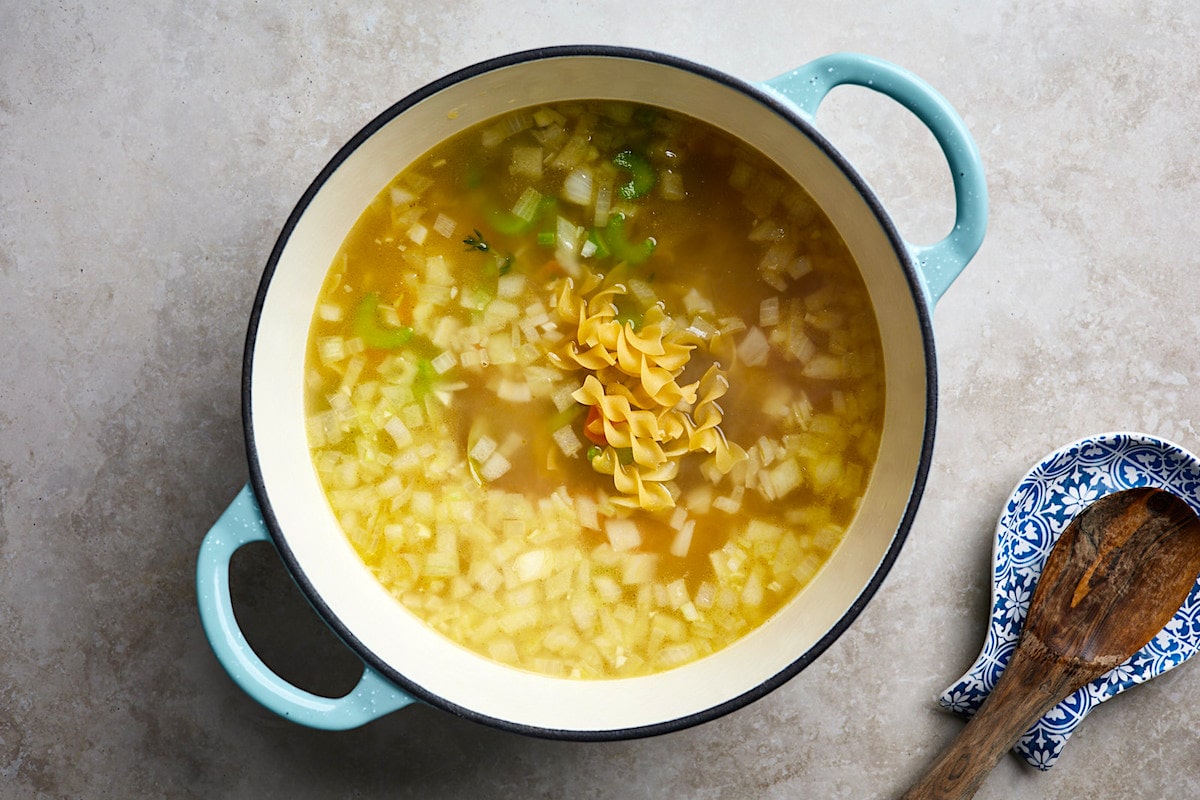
(1041, 506)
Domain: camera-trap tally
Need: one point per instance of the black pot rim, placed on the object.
(903, 257)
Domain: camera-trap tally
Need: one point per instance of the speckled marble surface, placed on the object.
(149, 153)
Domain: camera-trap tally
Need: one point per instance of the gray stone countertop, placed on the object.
(150, 152)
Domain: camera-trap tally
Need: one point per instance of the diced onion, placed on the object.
(443, 362)
(753, 592)
(518, 619)
(437, 272)
(731, 325)
(527, 204)
(567, 235)
(567, 441)
(572, 153)
(503, 649)
(500, 349)
(678, 517)
(696, 303)
(578, 187)
(741, 175)
(768, 230)
(401, 196)
(533, 565)
(785, 477)
(682, 542)
(643, 292)
(670, 184)
(799, 267)
(677, 654)
(727, 504)
(399, 432)
(444, 225)
(587, 511)
(331, 349)
(418, 233)
(441, 564)
(623, 534)
(482, 449)
(777, 258)
(827, 471)
(583, 612)
(510, 285)
(807, 568)
(506, 127)
(514, 391)
(701, 328)
(423, 504)
(689, 612)
(607, 587)
(677, 593)
(548, 116)
(486, 576)
(603, 204)
(799, 346)
(768, 312)
(754, 348)
(526, 161)
(824, 367)
(639, 568)
(494, 467)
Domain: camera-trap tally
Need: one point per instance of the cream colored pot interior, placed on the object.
(332, 570)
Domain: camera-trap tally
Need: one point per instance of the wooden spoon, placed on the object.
(1114, 579)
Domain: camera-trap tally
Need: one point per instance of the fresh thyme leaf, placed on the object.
(476, 242)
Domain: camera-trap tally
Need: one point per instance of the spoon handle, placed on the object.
(1032, 684)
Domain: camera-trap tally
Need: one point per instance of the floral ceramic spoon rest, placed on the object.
(1041, 506)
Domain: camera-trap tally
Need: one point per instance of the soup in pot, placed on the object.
(594, 389)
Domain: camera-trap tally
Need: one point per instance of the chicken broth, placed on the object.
(594, 389)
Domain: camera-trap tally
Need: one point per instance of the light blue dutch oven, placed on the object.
(404, 661)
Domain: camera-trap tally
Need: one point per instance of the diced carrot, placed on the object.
(593, 428)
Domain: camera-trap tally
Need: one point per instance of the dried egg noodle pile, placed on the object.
(594, 389)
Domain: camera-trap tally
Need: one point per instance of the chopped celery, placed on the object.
(507, 222)
(619, 245)
(528, 204)
(596, 239)
(477, 299)
(367, 327)
(474, 174)
(425, 378)
(530, 208)
(642, 176)
(566, 416)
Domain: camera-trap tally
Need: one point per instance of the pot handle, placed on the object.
(940, 263)
(241, 524)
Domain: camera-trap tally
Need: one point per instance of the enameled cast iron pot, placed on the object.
(406, 661)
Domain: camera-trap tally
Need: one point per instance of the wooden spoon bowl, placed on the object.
(1114, 579)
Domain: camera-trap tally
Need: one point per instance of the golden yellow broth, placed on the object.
(438, 345)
